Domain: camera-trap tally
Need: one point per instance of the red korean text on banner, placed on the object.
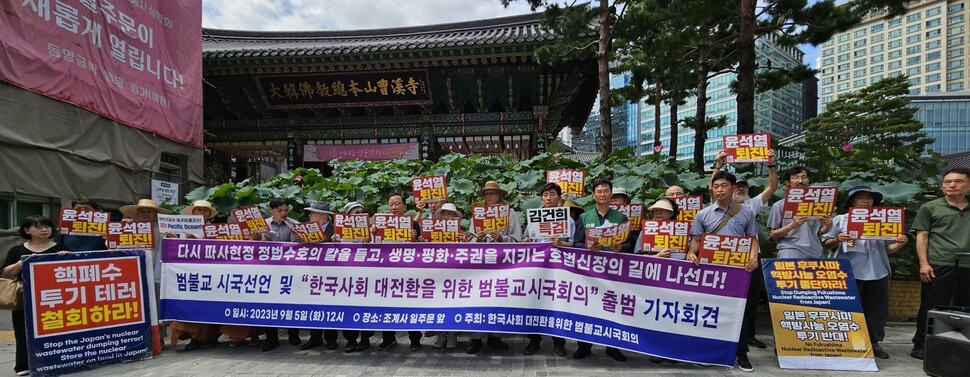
(393, 228)
(130, 235)
(688, 206)
(666, 235)
(816, 201)
(609, 236)
(489, 218)
(876, 223)
(75, 295)
(310, 232)
(747, 147)
(251, 218)
(227, 231)
(633, 212)
(570, 181)
(430, 189)
(441, 230)
(83, 222)
(352, 228)
(725, 250)
(548, 223)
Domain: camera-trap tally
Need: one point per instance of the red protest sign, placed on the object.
(608, 236)
(441, 230)
(633, 212)
(251, 218)
(310, 232)
(726, 250)
(664, 235)
(392, 228)
(747, 147)
(430, 189)
(688, 206)
(352, 228)
(227, 231)
(490, 218)
(130, 235)
(570, 181)
(816, 201)
(876, 223)
(83, 222)
(86, 294)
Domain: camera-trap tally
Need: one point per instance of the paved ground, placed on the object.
(290, 361)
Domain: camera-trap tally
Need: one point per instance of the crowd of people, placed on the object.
(941, 231)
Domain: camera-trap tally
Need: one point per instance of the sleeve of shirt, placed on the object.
(751, 229)
(838, 226)
(923, 219)
(579, 236)
(774, 216)
(638, 247)
(697, 227)
(12, 257)
(515, 227)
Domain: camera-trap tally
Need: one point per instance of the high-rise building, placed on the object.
(929, 44)
(778, 112)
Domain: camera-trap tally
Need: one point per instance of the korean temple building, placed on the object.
(304, 98)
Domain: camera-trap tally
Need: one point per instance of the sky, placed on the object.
(305, 15)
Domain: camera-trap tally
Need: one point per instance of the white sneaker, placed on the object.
(23, 373)
(452, 341)
(440, 342)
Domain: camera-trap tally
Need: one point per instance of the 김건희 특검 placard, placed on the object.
(85, 310)
(657, 306)
(816, 315)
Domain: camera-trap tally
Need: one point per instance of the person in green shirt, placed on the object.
(942, 231)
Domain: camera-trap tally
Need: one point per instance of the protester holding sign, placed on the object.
(601, 216)
(37, 230)
(450, 212)
(870, 264)
(279, 230)
(201, 335)
(741, 195)
(320, 213)
(943, 231)
(397, 207)
(727, 217)
(662, 209)
(84, 242)
(551, 196)
(353, 345)
(797, 236)
(146, 210)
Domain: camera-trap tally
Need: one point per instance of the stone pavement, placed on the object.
(399, 361)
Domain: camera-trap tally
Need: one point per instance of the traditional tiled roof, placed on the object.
(514, 30)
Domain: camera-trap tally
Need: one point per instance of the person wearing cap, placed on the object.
(320, 213)
(729, 218)
(661, 209)
(942, 233)
(797, 237)
(83, 243)
(601, 215)
(447, 339)
(551, 196)
(279, 226)
(353, 345)
(397, 206)
(620, 196)
(870, 264)
(492, 193)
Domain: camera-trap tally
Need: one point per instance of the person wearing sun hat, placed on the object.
(660, 209)
(201, 208)
(620, 196)
(870, 264)
(493, 194)
(146, 210)
(320, 213)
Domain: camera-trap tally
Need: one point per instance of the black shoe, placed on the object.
(310, 344)
(495, 342)
(744, 364)
(918, 352)
(616, 354)
(415, 346)
(363, 345)
(559, 349)
(331, 344)
(581, 353)
(877, 351)
(474, 346)
(270, 344)
(350, 347)
(531, 348)
(295, 339)
(387, 343)
(756, 343)
(193, 345)
(208, 345)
